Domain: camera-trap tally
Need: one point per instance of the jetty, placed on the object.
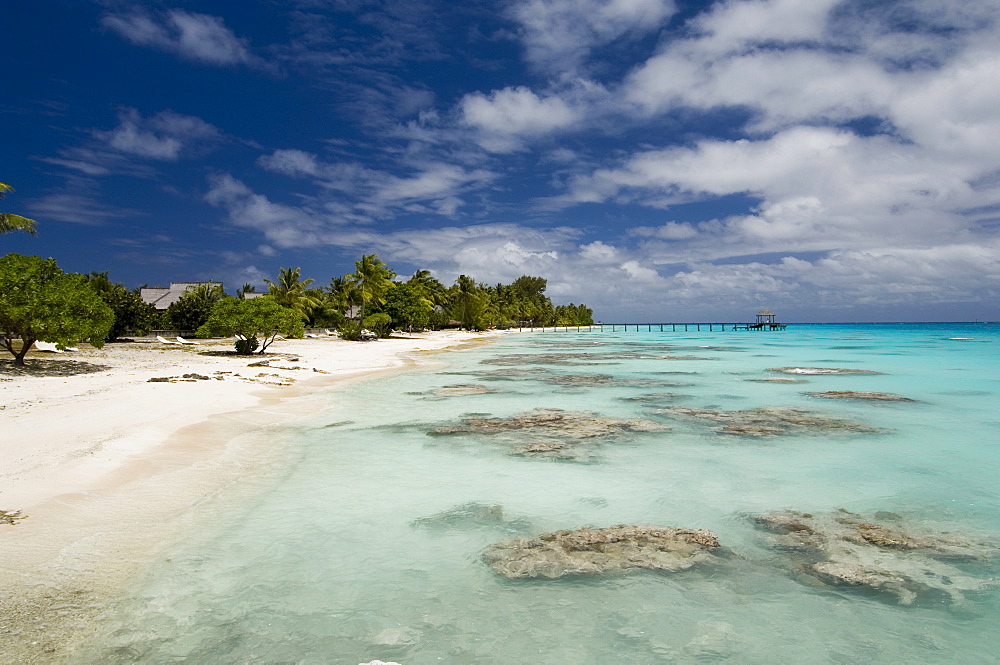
(766, 322)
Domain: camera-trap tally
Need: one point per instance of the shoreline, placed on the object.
(105, 466)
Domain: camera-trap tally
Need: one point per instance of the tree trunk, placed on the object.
(26, 344)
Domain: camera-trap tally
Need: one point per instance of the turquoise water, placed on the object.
(354, 555)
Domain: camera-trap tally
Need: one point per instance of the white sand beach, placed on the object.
(103, 465)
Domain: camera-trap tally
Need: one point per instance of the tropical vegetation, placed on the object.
(38, 301)
(255, 322)
(11, 222)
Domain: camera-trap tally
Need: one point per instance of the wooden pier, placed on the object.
(663, 327)
(765, 323)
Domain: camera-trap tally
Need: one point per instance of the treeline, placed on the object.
(374, 298)
(40, 302)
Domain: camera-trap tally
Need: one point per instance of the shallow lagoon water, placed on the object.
(369, 546)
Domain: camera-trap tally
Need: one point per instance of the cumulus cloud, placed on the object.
(507, 114)
(193, 36)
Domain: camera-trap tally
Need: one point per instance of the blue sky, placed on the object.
(664, 160)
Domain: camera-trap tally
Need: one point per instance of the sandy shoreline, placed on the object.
(106, 465)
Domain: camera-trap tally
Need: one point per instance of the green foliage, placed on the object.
(379, 323)
(372, 279)
(574, 315)
(246, 346)
(11, 222)
(407, 306)
(291, 291)
(38, 301)
(258, 321)
(428, 287)
(132, 315)
(468, 303)
(193, 308)
(350, 330)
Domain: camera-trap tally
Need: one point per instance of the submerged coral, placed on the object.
(551, 432)
(513, 374)
(548, 359)
(771, 421)
(656, 398)
(462, 390)
(820, 370)
(887, 555)
(473, 515)
(589, 551)
(778, 379)
(605, 381)
(853, 394)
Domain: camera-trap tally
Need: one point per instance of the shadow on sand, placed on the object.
(49, 367)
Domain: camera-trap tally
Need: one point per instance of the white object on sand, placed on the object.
(378, 662)
(164, 340)
(48, 347)
(181, 340)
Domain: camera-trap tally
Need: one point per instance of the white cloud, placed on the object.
(164, 136)
(599, 253)
(559, 34)
(78, 208)
(430, 187)
(193, 36)
(512, 112)
(281, 225)
(819, 189)
(668, 231)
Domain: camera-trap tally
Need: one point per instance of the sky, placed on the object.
(658, 160)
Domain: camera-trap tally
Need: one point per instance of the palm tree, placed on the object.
(291, 291)
(372, 279)
(11, 222)
(343, 294)
(429, 287)
(468, 302)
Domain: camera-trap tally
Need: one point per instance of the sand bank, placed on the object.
(105, 465)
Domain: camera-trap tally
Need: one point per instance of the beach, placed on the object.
(105, 451)
(376, 513)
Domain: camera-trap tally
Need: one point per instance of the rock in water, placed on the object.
(847, 549)
(589, 551)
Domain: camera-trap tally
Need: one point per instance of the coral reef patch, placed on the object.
(551, 432)
(861, 395)
(821, 371)
(879, 552)
(473, 515)
(604, 381)
(588, 551)
(771, 421)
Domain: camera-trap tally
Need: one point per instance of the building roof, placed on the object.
(765, 312)
(161, 298)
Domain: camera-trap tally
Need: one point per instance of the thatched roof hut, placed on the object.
(765, 316)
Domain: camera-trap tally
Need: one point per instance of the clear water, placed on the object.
(337, 563)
